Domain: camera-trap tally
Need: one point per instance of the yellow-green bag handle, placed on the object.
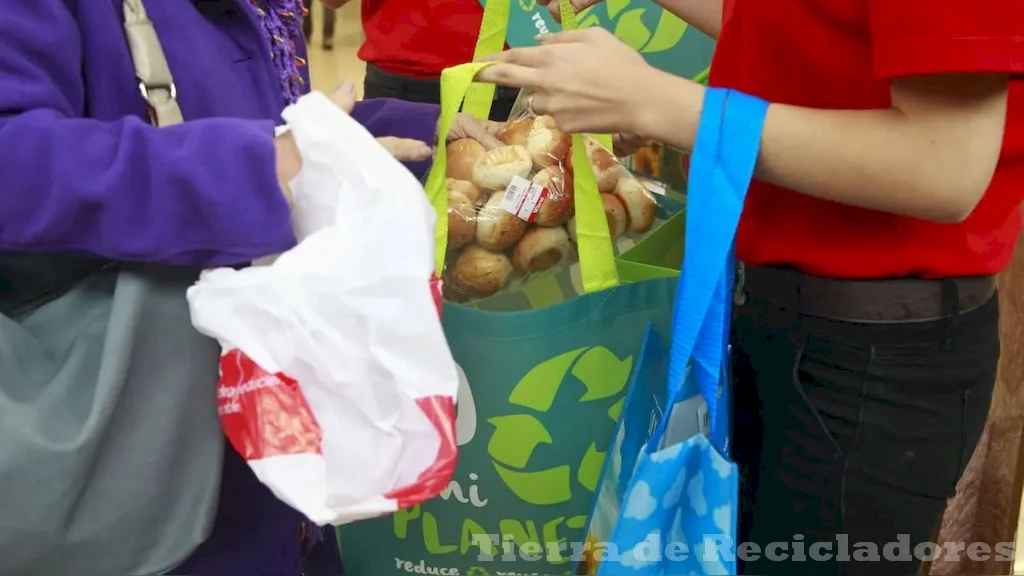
(597, 260)
(493, 32)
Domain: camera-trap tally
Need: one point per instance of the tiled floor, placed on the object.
(329, 68)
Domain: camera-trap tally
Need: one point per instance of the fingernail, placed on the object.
(347, 86)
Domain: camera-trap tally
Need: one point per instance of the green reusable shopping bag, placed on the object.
(544, 374)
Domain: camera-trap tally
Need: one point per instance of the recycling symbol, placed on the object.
(517, 436)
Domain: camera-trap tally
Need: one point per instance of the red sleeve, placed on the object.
(923, 37)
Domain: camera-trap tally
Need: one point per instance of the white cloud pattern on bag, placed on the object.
(670, 453)
(723, 517)
(695, 494)
(645, 553)
(641, 504)
(674, 493)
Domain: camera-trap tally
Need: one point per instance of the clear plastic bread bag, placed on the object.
(511, 209)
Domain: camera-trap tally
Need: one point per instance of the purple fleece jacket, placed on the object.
(82, 171)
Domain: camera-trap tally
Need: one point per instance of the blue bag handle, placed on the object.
(721, 168)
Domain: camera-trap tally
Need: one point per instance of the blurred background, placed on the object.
(330, 67)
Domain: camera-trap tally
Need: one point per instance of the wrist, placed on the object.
(289, 162)
(670, 110)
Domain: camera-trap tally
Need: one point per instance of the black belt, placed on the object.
(426, 90)
(888, 300)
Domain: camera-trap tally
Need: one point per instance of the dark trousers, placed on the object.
(320, 555)
(383, 84)
(854, 432)
(307, 23)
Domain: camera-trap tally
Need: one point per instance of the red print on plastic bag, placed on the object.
(435, 291)
(264, 414)
(440, 410)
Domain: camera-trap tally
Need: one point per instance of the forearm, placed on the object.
(704, 15)
(204, 193)
(875, 159)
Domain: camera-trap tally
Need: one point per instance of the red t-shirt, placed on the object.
(419, 38)
(841, 54)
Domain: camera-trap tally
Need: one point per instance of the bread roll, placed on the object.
(478, 273)
(557, 206)
(497, 228)
(547, 144)
(639, 203)
(540, 249)
(618, 217)
(461, 220)
(515, 132)
(604, 164)
(614, 211)
(450, 292)
(465, 188)
(496, 168)
(462, 155)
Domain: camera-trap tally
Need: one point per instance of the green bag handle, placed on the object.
(493, 32)
(593, 240)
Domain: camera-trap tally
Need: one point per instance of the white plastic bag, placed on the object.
(337, 385)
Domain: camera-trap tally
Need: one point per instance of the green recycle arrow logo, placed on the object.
(628, 24)
(517, 436)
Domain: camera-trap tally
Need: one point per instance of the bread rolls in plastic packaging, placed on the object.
(477, 273)
(462, 221)
(496, 227)
(511, 209)
(467, 189)
(462, 155)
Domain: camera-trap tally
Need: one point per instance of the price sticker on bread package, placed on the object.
(524, 198)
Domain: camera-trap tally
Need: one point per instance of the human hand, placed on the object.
(587, 79)
(626, 144)
(483, 131)
(403, 149)
(289, 161)
(556, 13)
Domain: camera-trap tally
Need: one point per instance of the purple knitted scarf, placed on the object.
(282, 29)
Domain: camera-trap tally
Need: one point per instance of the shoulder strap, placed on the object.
(721, 168)
(53, 275)
(155, 80)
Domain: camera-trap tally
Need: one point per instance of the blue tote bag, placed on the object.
(669, 494)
